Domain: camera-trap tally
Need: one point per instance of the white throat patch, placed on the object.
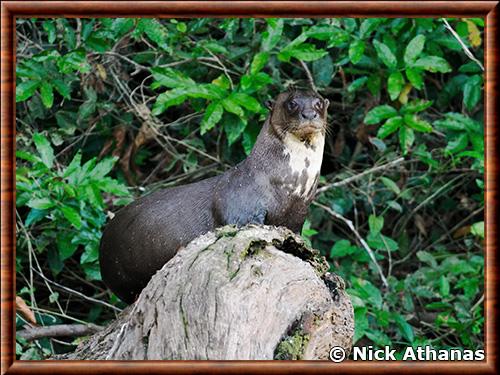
(304, 159)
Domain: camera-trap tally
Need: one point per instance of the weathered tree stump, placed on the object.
(253, 293)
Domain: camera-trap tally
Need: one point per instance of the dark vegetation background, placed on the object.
(111, 109)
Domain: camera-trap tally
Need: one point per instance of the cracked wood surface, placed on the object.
(253, 293)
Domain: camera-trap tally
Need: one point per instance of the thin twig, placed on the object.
(77, 293)
(360, 175)
(464, 47)
(224, 68)
(58, 330)
(309, 76)
(137, 65)
(359, 238)
(427, 200)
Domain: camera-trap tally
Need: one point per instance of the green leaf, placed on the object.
(110, 185)
(427, 257)
(50, 29)
(368, 26)
(170, 78)
(357, 84)
(258, 62)
(472, 91)
(44, 149)
(40, 203)
(89, 106)
(415, 77)
(395, 84)
(272, 35)
(433, 64)
(415, 123)
(234, 127)
(477, 229)
(389, 127)
(64, 245)
(252, 83)
(374, 84)
(458, 143)
(376, 223)
(406, 138)
(155, 31)
(169, 99)
(76, 60)
(380, 242)
(444, 286)
(92, 271)
(361, 323)
(181, 27)
(97, 44)
(25, 90)
(121, 26)
(414, 49)
(90, 254)
(62, 88)
(405, 328)
(73, 166)
(416, 106)
(25, 155)
(249, 137)
(222, 81)
(319, 32)
(247, 102)
(47, 94)
(322, 70)
(368, 292)
(304, 52)
(379, 113)
(232, 106)
(356, 50)
(342, 248)
(102, 168)
(391, 185)
(53, 297)
(385, 54)
(212, 116)
(72, 216)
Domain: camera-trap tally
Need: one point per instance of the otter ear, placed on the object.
(269, 104)
(326, 102)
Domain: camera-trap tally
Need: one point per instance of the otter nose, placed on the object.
(309, 114)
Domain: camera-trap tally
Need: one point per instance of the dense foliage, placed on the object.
(110, 109)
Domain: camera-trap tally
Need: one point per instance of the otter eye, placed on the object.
(292, 105)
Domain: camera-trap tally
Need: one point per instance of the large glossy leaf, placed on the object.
(385, 54)
(433, 64)
(379, 113)
(212, 116)
(25, 90)
(414, 49)
(395, 84)
(44, 149)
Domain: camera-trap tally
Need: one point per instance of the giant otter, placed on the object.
(274, 185)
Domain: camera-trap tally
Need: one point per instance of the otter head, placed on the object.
(300, 113)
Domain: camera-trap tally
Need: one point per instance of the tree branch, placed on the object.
(58, 330)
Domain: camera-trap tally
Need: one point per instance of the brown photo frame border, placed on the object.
(165, 9)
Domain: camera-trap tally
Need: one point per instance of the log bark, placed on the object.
(253, 293)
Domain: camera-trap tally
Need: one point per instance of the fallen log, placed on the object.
(253, 293)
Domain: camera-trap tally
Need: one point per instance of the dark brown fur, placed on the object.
(147, 233)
